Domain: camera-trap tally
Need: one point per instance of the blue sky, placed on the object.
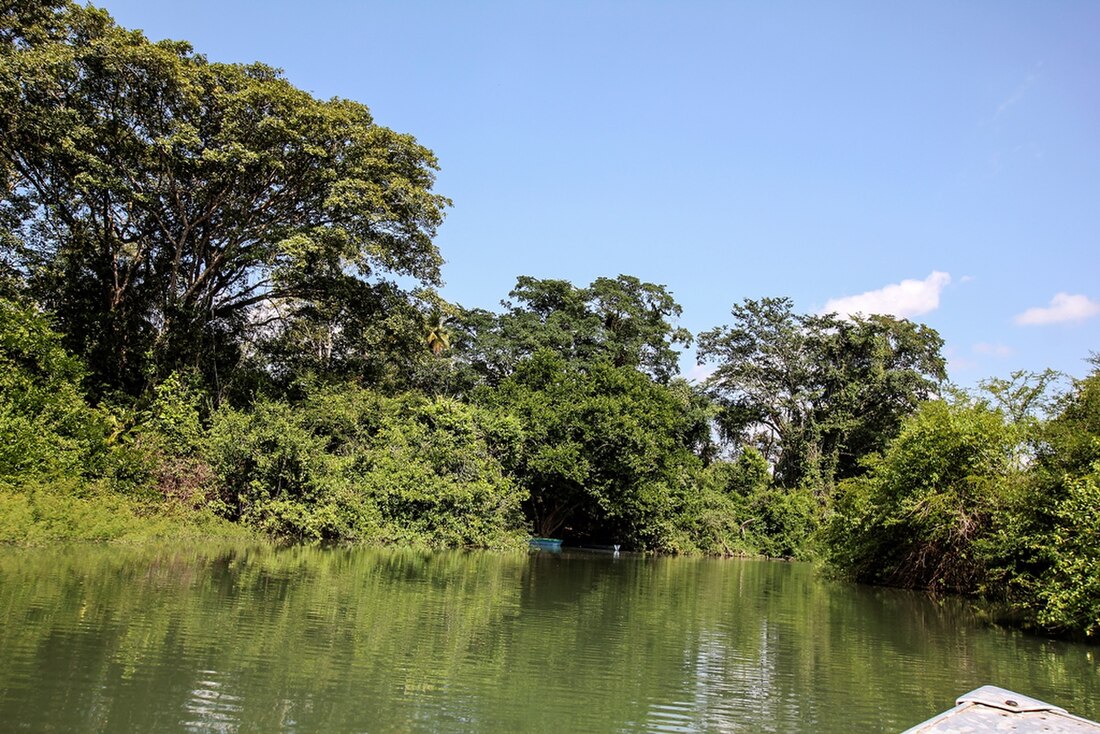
(936, 160)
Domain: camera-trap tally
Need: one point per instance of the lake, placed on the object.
(254, 638)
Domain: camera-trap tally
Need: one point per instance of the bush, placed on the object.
(46, 427)
(786, 521)
(1068, 595)
(1044, 558)
(737, 510)
(348, 463)
(919, 516)
(604, 452)
(274, 473)
(66, 510)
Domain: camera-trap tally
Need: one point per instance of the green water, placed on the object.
(257, 639)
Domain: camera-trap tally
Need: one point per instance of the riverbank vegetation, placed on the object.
(218, 315)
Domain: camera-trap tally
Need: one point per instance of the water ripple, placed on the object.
(287, 640)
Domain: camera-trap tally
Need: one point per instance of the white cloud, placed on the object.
(993, 350)
(904, 299)
(1063, 307)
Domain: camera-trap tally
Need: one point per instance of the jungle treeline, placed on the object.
(219, 314)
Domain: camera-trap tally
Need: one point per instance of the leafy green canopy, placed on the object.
(350, 464)
(46, 427)
(1045, 556)
(605, 452)
(921, 513)
(986, 500)
(171, 207)
(623, 321)
(817, 393)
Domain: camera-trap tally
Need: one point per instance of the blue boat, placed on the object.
(550, 544)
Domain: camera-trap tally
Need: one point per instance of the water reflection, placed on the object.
(212, 707)
(254, 638)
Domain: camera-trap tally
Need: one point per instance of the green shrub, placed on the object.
(348, 463)
(786, 521)
(918, 517)
(68, 510)
(1044, 558)
(173, 420)
(737, 510)
(604, 453)
(1068, 595)
(46, 427)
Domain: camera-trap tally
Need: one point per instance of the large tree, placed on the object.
(817, 393)
(170, 203)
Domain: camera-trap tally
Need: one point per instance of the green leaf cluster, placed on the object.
(624, 322)
(171, 211)
(915, 518)
(1045, 556)
(605, 452)
(997, 502)
(816, 393)
(350, 464)
(46, 427)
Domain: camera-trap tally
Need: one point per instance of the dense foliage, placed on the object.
(916, 517)
(46, 427)
(216, 313)
(605, 451)
(67, 469)
(352, 464)
(988, 501)
(1046, 554)
(817, 393)
(623, 322)
(170, 207)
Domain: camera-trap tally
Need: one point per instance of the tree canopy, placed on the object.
(168, 204)
(605, 454)
(623, 321)
(815, 393)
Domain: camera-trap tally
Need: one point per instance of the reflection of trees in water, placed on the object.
(211, 706)
(306, 639)
(294, 626)
(734, 689)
